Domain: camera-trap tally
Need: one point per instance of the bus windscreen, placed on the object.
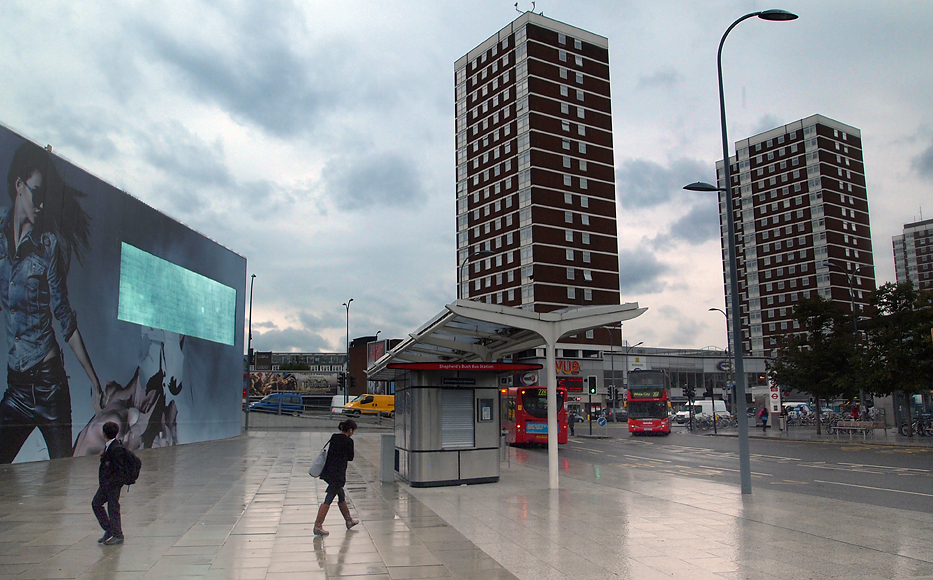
(535, 402)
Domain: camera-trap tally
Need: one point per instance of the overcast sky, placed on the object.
(317, 138)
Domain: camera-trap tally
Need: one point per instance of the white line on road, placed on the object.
(725, 469)
(874, 488)
(647, 458)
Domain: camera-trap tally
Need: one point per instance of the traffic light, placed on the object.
(341, 382)
(689, 392)
(592, 383)
(612, 393)
(352, 383)
(709, 393)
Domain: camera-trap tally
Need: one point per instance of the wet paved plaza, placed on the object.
(244, 508)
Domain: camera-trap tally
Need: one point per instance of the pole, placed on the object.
(612, 362)
(745, 468)
(346, 376)
(462, 264)
(249, 350)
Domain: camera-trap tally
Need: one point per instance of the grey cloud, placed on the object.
(640, 272)
(698, 226)
(923, 163)
(288, 339)
(80, 129)
(256, 74)
(174, 150)
(683, 330)
(377, 180)
(641, 183)
(766, 123)
(665, 79)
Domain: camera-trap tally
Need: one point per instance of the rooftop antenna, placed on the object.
(517, 9)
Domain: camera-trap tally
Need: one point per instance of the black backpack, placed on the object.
(132, 465)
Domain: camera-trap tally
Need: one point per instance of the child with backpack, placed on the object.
(118, 467)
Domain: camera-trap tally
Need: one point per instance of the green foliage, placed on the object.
(899, 356)
(821, 359)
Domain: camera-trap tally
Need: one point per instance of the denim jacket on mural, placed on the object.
(32, 286)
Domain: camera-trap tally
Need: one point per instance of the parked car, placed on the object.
(279, 404)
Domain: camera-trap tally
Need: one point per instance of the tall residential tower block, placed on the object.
(913, 255)
(536, 209)
(800, 207)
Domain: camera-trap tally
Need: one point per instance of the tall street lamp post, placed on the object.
(346, 376)
(612, 363)
(249, 349)
(744, 459)
(731, 365)
(850, 277)
(462, 264)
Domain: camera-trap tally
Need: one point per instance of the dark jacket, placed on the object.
(339, 454)
(112, 466)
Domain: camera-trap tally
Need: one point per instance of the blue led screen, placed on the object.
(155, 292)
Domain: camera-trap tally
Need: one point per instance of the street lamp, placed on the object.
(744, 459)
(249, 349)
(463, 263)
(850, 276)
(625, 374)
(727, 356)
(346, 382)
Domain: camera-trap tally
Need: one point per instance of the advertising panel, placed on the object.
(305, 382)
(113, 312)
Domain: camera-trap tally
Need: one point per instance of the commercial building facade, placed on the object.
(800, 206)
(536, 211)
(913, 254)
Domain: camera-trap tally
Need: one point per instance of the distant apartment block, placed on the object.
(536, 209)
(913, 255)
(800, 206)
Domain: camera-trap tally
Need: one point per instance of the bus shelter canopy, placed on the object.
(469, 331)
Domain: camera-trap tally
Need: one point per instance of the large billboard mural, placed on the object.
(113, 312)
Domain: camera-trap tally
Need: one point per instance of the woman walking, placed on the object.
(339, 454)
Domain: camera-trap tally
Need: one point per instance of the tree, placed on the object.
(900, 347)
(820, 360)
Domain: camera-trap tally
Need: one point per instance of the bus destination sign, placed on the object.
(644, 393)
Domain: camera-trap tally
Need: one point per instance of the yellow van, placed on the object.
(370, 405)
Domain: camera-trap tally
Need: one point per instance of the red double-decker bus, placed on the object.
(648, 402)
(524, 414)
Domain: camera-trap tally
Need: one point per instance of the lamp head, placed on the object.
(776, 15)
(702, 186)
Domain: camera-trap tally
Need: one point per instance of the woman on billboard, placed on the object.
(41, 231)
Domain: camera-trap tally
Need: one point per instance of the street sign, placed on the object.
(602, 421)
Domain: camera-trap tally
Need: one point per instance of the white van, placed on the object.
(337, 403)
(702, 407)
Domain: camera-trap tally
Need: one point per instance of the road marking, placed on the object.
(790, 482)
(874, 488)
(736, 470)
(647, 459)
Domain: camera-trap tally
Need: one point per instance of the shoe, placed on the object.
(103, 538)
(113, 540)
